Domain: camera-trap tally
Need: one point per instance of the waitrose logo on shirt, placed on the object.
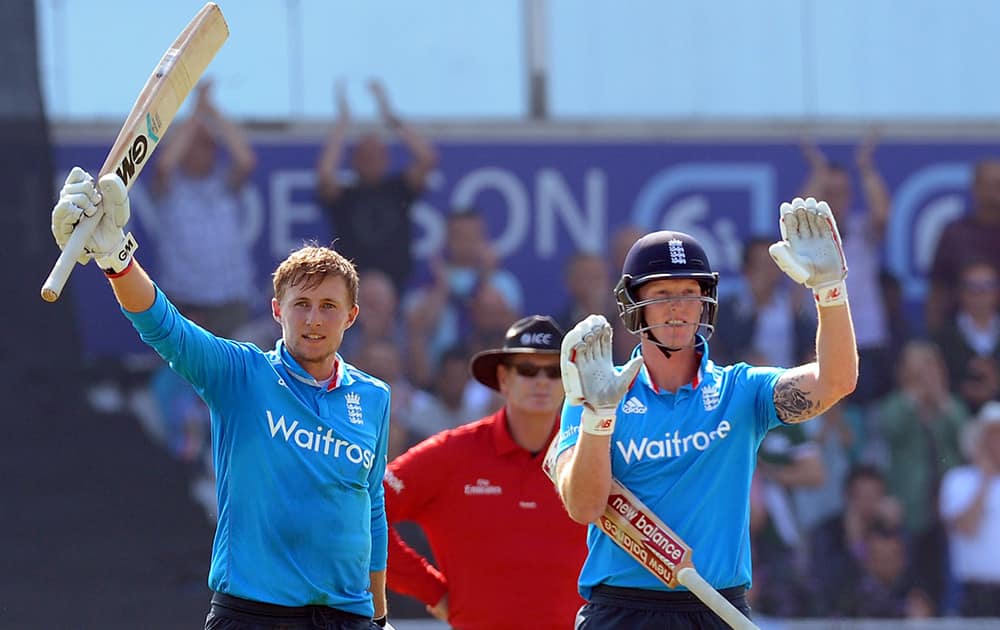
(673, 445)
(318, 440)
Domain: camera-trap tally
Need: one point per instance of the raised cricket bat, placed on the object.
(173, 78)
(641, 533)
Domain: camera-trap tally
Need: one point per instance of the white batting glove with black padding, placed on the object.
(589, 375)
(810, 251)
(79, 197)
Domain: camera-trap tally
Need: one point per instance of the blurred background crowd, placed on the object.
(886, 506)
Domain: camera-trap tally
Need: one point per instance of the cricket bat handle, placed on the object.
(67, 258)
(711, 598)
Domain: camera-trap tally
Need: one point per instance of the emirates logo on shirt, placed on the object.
(482, 487)
(393, 481)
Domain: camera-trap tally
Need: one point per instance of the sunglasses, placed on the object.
(530, 370)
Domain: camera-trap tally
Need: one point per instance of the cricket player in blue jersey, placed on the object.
(678, 430)
(299, 436)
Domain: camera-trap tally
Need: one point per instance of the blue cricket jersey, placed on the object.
(689, 457)
(299, 467)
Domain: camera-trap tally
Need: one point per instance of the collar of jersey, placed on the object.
(703, 375)
(296, 371)
(504, 443)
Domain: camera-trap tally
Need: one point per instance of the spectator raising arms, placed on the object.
(863, 231)
(200, 217)
(371, 215)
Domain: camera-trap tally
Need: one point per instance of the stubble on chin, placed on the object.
(311, 356)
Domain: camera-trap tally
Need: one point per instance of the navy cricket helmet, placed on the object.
(660, 256)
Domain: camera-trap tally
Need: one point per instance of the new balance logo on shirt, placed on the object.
(633, 405)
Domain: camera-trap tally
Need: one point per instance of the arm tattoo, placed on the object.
(792, 403)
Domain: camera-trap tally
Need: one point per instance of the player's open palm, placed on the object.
(810, 250)
(589, 375)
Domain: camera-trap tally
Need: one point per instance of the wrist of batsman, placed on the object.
(831, 294)
(598, 421)
(116, 262)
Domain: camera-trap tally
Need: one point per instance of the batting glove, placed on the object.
(109, 245)
(810, 250)
(589, 376)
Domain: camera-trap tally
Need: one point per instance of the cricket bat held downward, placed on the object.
(641, 534)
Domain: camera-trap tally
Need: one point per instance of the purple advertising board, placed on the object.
(545, 199)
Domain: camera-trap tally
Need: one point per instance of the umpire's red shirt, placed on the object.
(507, 553)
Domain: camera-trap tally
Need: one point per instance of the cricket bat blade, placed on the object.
(172, 79)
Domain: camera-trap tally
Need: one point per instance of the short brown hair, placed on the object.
(311, 265)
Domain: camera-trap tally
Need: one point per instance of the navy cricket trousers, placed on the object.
(615, 608)
(233, 613)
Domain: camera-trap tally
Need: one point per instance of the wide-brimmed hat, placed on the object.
(972, 434)
(536, 334)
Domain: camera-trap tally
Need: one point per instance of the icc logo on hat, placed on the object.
(536, 339)
(536, 334)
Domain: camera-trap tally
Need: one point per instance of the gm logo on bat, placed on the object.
(139, 150)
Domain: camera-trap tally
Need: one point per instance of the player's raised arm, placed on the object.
(151, 115)
(812, 254)
(109, 245)
(590, 379)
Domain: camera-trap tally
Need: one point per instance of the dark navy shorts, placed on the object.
(233, 613)
(612, 607)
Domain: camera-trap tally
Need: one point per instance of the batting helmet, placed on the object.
(660, 256)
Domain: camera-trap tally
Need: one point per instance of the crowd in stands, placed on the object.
(886, 506)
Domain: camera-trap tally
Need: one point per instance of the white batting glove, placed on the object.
(811, 252)
(109, 245)
(589, 376)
